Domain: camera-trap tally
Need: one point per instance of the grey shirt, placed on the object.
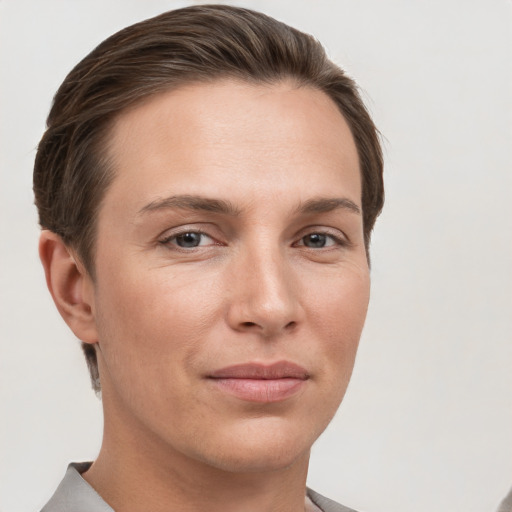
(506, 504)
(74, 494)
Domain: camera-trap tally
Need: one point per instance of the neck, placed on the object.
(135, 471)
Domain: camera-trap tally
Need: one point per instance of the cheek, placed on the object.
(338, 312)
(156, 321)
(340, 301)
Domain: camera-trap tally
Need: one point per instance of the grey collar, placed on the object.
(76, 495)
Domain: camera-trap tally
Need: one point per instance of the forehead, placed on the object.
(205, 136)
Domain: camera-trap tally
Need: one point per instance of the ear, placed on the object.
(70, 285)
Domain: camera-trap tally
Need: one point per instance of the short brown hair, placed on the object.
(191, 45)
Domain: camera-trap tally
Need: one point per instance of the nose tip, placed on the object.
(265, 301)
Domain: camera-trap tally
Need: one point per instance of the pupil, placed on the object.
(188, 239)
(315, 240)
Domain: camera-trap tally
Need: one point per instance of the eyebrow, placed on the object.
(189, 202)
(324, 205)
(205, 204)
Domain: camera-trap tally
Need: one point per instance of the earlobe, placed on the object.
(70, 286)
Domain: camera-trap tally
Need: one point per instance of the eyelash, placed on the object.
(166, 241)
(338, 241)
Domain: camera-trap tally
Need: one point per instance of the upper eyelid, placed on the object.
(323, 230)
(171, 236)
(336, 233)
(180, 230)
(340, 241)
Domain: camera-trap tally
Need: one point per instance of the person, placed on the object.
(506, 504)
(207, 186)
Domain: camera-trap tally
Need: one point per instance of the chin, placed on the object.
(260, 447)
(260, 461)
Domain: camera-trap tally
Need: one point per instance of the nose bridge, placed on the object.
(265, 296)
(271, 279)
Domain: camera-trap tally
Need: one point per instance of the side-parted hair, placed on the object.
(198, 44)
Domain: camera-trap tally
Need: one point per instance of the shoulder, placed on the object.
(74, 494)
(506, 504)
(325, 504)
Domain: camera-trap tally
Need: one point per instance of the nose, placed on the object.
(264, 296)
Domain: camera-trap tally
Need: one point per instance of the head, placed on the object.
(195, 71)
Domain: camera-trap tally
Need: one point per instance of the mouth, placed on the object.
(255, 382)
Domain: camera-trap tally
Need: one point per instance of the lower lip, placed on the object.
(260, 390)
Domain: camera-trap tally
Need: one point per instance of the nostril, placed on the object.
(249, 325)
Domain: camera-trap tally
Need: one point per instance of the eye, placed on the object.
(188, 240)
(319, 241)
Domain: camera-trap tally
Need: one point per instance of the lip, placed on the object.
(256, 382)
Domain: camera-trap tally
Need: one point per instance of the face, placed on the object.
(231, 277)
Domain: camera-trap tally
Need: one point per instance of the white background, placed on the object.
(427, 422)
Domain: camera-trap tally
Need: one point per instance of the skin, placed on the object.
(280, 275)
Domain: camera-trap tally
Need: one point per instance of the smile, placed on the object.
(255, 382)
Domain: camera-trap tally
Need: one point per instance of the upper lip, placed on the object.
(279, 370)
